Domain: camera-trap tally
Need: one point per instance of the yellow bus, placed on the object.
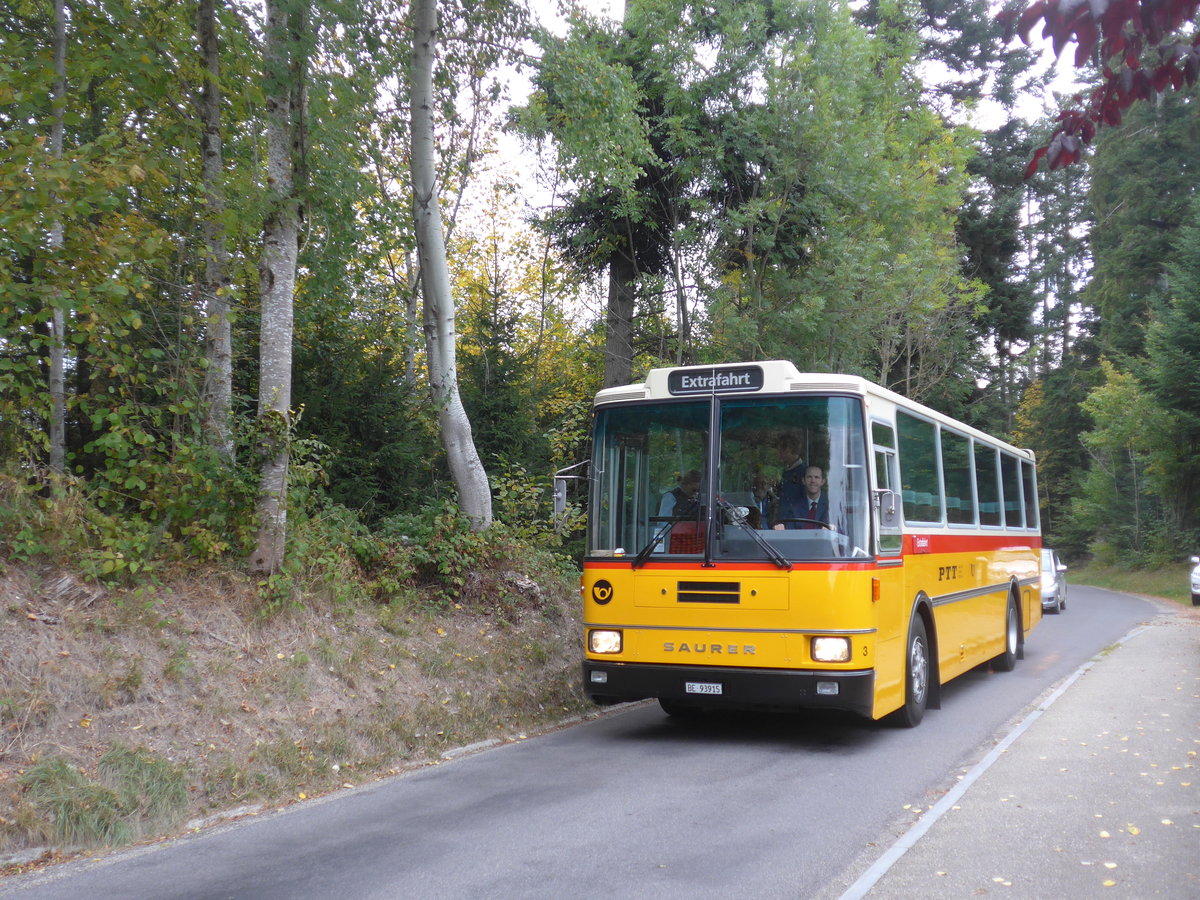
(762, 538)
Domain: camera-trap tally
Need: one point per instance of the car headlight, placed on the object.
(604, 641)
(1048, 582)
(831, 649)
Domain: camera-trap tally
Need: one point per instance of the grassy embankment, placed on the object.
(131, 713)
(1169, 583)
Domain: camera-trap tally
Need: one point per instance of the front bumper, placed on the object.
(741, 688)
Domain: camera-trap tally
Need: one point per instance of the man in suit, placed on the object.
(816, 500)
(811, 508)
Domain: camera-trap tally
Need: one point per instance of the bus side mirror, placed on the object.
(560, 497)
(559, 491)
(888, 505)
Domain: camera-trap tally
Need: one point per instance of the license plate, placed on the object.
(701, 687)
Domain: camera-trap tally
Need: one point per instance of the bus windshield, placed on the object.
(790, 472)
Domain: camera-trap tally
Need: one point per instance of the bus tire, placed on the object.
(1007, 660)
(916, 676)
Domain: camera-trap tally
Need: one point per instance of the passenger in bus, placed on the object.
(810, 510)
(765, 501)
(681, 500)
(791, 484)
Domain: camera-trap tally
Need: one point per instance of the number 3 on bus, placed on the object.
(846, 547)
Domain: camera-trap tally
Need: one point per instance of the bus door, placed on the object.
(892, 603)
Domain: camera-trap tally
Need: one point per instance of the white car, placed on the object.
(1196, 581)
(1054, 582)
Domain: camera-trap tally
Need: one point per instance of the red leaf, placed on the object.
(1114, 19)
(1029, 18)
(1086, 36)
(1033, 163)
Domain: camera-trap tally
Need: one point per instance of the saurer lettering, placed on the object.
(726, 649)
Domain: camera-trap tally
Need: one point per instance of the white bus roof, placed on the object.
(776, 377)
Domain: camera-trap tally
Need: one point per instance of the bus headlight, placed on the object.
(831, 649)
(602, 641)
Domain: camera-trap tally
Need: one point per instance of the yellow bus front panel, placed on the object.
(755, 635)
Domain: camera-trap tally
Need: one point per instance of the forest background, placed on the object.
(223, 350)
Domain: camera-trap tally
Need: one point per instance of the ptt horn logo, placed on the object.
(602, 591)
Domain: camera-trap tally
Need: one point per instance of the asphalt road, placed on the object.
(631, 804)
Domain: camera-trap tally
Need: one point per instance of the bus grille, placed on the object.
(710, 592)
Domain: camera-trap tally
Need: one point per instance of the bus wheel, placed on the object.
(1007, 661)
(916, 676)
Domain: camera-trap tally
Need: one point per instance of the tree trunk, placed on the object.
(218, 378)
(277, 280)
(683, 350)
(618, 332)
(475, 498)
(58, 340)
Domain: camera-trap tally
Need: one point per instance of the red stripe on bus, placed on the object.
(921, 544)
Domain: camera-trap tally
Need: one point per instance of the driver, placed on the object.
(810, 509)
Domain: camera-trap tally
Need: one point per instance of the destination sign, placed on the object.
(715, 381)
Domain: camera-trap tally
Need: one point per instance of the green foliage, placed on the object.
(524, 505)
(1138, 498)
(442, 546)
(1142, 182)
(1123, 496)
(1049, 421)
(1173, 374)
(188, 504)
(873, 176)
(587, 98)
(774, 179)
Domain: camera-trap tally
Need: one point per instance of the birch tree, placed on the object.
(284, 65)
(475, 497)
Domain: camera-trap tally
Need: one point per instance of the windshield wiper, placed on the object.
(644, 553)
(737, 517)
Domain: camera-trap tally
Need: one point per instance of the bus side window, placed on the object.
(1010, 481)
(919, 469)
(987, 485)
(1029, 485)
(956, 475)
